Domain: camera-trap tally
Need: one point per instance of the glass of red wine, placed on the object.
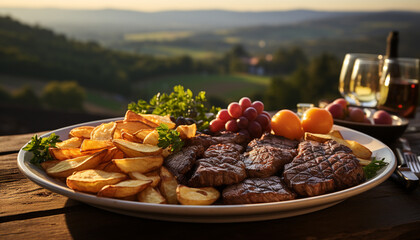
(399, 86)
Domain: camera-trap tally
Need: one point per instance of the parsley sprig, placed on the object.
(39, 147)
(169, 138)
(179, 103)
(373, 167)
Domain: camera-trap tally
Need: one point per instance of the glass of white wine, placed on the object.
(346, 71)
(364, 82)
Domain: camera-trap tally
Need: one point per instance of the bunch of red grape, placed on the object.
(245, 117)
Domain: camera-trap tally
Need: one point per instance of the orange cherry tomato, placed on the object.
(287, 124)
(317, 120)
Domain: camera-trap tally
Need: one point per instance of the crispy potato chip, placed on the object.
(132, 116)
(81, 132)
(124, 189)
(150, 195)
(196, 196)
(73, 142)
(68, 153)
(187, 131)
(168, 185)
(132, 149)
(66, 167)
(93, 180)
(139, 164)
(105, 131)
(132, 126)
(89, 145)
(152, 138)
(159, 120)
(142, 133)
(139, 176)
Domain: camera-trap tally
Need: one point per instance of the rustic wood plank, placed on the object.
(15, 142)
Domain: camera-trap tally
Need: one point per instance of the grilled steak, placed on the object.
(182, 162)
(257, 190)
(268, 155)
(217, 171)
(321, 168)
(226, 137)
(229, 150)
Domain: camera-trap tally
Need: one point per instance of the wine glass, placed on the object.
(399, 86)
(346, 71)
(364, 82)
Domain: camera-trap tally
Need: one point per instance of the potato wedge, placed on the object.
(66, 167)
(110, 154)
(105, 131)
(159, 120)
(90, 145)
(364, 162)
(152, 138)
(150, 195)
(132, 126)
(111, 167)
(129, 137)
(196, 196)
(132, 116)
(73, 142)
(336, 134)
(142, 133)
(187, 131)
(81, 132)
(47, 164)
(139, 164)
(168, 185)
(136, 149)
(92, 180)
(139, 176)
(166, 152)
(124, 189)
(69, 153)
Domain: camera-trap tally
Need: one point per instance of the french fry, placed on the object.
(73, 142)
(124, 189)
(150, 195)
(81, 132)
(105, 131)
(92, 180)
(90, 145)
(168, 185)
(132, 149)
(139, 164)
(196, 196)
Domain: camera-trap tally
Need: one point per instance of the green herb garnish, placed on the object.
(169, 138)
(39, 147)
(373, 167)
(176, 104)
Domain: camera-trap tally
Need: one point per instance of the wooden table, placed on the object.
(28, 211)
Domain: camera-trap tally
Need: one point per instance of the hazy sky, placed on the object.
(238, 5)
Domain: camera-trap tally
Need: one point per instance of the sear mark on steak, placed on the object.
(257, 190)
(274, 141)
(229, 150)
(182, 162)
(321, 168)
(226, 137)
(217, 171)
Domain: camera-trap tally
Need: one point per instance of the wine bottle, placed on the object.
(392, 53)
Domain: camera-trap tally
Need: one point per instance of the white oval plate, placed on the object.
(214, 213)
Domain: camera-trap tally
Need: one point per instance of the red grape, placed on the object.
(250, 113)
(231, 126)
(263, 120)
(268, 128)
(245, 103)
(254, 129)
(336, 110)
(356, 114)
(224, 115)
(382, 117)
(244, 132)
(342, 102)
(366, 120)
(235, 110)
(216, 125)
(242, 122)
(266, 113)
(259, 106)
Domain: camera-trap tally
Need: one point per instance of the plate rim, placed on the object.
(201, 211)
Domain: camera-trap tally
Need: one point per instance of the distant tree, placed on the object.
(281, 94)
(235, 58)
(26, 96)
(285, 61)
(67, 95)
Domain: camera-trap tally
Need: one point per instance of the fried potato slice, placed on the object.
(142, 133)
(132, 149)
(139, 164)
(166, 152)
(111, 167)
(93, 180)
(168, 185)
(124, 189)
(150, 195)
(66, 167)
(90, 145)
(47, 164)
(132, 116)
(196, 196)
(73, 142)
(157, 119)
(336, 134)
(139, 176)
(105, 131)
(129, 137)
(132, 126)
(111, 153)
(152, 138)
(69, 153)
(81, 132)
(187, 131)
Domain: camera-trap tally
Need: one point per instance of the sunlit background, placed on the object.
(64, 62)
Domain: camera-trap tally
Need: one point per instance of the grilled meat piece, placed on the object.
(182, 162)
(257, 190)
(226, 137)
(229, 150)
(217, 171)
(321, 168)
(274, 141)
